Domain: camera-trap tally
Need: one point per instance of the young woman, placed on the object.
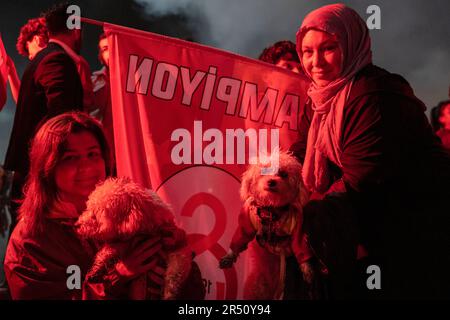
(369, 154)
(69, 156)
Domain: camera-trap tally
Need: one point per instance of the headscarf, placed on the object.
(328, 102)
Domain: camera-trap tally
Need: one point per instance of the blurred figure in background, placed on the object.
(443, 132)
(282, 54)
(33, 37)
(74, 52)
(50, 85)
(102, 92)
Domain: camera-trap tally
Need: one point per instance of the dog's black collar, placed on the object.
(271, 213)
(275, 209)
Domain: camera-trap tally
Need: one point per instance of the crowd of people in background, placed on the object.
(380, 190)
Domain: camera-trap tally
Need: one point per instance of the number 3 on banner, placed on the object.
(201, 243)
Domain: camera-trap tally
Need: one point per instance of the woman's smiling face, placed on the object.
(321, 57)
(81, 167)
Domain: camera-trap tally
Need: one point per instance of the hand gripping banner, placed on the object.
(187, 119)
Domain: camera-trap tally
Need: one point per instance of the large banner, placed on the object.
(3, 73)
(187, 120)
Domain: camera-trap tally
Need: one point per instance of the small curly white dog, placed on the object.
(119, 214)
(272, 213)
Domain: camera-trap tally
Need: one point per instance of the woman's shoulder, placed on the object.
(21, 234)
(23, 239)
(22, 243)
(54, 237)
(375, 80)
(22, 231)
(381, 89)
(57, 246)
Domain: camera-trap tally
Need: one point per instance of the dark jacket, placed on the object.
(50, 86)
(36, 267)
(389, 195)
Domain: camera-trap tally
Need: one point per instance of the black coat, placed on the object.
(391, 195)
(50, 86)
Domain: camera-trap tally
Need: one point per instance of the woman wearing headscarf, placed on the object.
(377, 173)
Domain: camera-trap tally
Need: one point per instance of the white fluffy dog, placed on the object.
(272, 213)
(120, 214)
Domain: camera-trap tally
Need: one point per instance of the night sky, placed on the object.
(414, 39)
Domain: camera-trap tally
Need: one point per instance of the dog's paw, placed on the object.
(227, 260)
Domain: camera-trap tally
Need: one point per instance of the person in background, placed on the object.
(34, 37)
(50, 86)
(282, 54)
(102, 92)
(444, 121)
(73, 50)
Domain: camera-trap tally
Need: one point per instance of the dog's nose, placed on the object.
(272, 183)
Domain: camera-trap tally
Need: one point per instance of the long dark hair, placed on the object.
(48, 144)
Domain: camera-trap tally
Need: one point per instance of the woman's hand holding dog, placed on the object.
(140, 260)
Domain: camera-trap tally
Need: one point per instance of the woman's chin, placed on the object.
(322, 82)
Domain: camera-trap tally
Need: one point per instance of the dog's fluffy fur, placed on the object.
(120, 211)
(283, 188)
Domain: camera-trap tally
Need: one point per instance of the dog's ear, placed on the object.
(246, 184)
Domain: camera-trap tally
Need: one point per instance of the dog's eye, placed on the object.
(282, 174)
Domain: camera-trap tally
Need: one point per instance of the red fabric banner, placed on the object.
(182, 112)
